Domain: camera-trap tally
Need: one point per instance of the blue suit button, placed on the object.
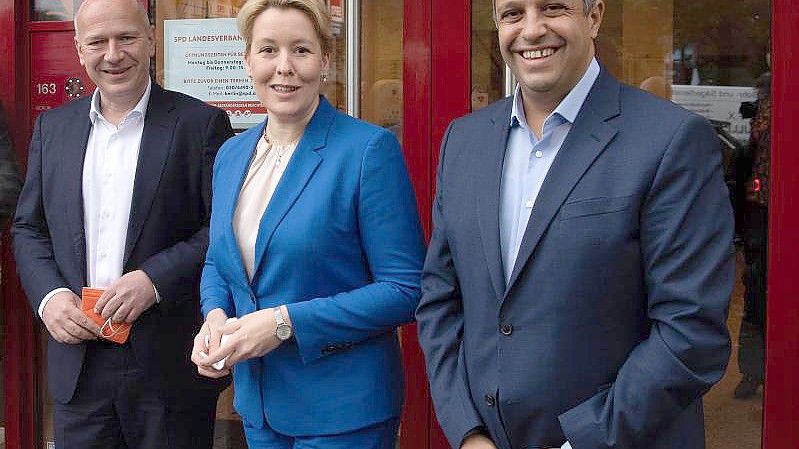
(506, 329)
(490, 401)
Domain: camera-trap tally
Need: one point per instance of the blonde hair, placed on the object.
(315, 10)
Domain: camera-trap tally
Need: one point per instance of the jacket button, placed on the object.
(506, 329)
(490, 400)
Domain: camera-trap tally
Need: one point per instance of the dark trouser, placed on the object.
(753, 325)
(116, 406)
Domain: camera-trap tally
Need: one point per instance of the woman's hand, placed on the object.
(251, 336)
(208, 341)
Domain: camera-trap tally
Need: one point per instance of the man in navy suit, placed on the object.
(117, 197)
(576, 287)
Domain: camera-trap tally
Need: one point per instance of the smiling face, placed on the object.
(115, 43)
(547, 44)
(286, 62)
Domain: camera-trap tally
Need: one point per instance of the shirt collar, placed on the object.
(569, 107)
(138, 111)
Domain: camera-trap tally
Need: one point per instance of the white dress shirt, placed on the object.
(109, 171)
(527, 162)
(266, 169)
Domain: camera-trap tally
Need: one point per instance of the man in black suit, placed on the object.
(117, 197)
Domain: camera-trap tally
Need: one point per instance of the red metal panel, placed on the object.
(781, 409)
(416, 146)
(18, 351)
(19, 356)
(451, 45)
(451, 85)
(53, 61)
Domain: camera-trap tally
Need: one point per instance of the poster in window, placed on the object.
(204, 58)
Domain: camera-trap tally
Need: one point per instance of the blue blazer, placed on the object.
(613, 323)
(340, 244)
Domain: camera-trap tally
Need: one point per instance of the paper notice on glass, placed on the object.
(204, 58)
(717, 103)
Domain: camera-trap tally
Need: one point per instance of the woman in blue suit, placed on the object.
(315, 248)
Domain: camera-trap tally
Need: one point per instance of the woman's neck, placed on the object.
(284, 131)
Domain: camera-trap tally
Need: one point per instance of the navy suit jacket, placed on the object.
(340, 244)
(613, 323)
(166, 238)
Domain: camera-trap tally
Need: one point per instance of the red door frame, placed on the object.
(19, 348)
(436, 87)
(781, 410)
(436, 90)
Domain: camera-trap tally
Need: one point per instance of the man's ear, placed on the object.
(595, 17)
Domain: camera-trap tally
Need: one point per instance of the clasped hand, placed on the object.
(127, 298)
(66, 322)
(251, 336)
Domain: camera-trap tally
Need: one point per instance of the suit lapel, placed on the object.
(72, 153)
(240, 166)
(488, 195)
(299, 171)
(156, 140)
(589, 136)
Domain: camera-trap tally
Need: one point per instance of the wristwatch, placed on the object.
(283, 331)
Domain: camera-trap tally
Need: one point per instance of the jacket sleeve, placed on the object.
(686, 236)
(172, 268)
(214, 290)
(392, 243)
(33, 249)
(440, 324)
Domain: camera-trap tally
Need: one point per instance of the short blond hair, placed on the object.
(315, 10)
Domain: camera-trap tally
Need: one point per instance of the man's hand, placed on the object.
(127, 298)
(66, 322)
(249, 337)
(477, 441)
(212, 328)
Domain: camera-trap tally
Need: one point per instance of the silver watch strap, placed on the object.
(279, 317)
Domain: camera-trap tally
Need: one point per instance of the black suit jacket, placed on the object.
(167, 235)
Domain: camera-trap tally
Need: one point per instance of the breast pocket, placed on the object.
(594, 206)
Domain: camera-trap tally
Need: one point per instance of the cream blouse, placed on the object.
(266, 169)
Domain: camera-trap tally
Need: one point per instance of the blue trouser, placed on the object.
(378, 436)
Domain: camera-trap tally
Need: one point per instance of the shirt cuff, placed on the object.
(48, 297)
(566, 445)
(158, 299)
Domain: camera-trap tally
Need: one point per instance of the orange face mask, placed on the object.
(116, 332)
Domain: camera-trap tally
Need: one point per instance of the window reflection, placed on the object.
(488, 68)
(335, 89)
(54, 10)
(381, 64)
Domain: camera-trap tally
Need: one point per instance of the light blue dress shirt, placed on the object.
(527, 162)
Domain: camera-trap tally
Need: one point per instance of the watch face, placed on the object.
(283, 332)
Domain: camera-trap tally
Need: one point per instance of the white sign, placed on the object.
(204, 58)
(717, 103)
